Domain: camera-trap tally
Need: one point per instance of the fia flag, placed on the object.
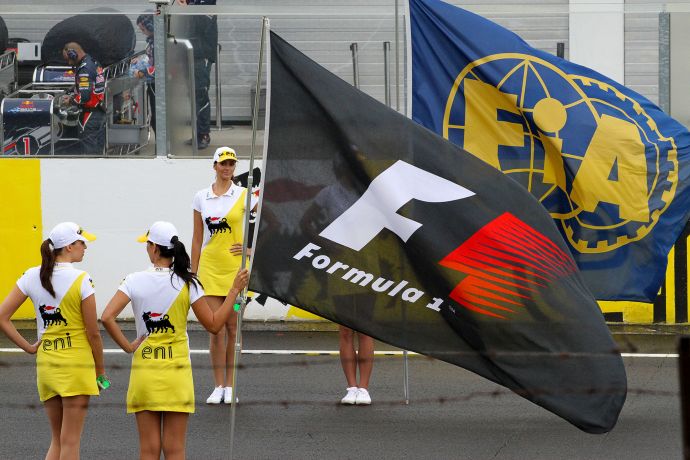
(372, 221)
(609, 166)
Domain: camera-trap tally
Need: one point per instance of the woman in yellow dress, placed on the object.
(69, 347)
(219, 214)
(161, 388)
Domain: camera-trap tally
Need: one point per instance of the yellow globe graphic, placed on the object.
(520, 113)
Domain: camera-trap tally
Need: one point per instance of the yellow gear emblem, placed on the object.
(588, 152)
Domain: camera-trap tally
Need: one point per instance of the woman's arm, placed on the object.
(197, 238)
(213, 321)
(93, 333)
(11, 304)
(114, 308)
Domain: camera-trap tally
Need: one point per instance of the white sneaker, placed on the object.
(216, 397)
(363, 397)
(227, 397)
(350, 397)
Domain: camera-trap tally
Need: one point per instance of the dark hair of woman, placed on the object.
(182, 264)
(48, 256)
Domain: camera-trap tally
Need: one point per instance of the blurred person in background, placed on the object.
(145, 67)
(204, 39)
(88, 94)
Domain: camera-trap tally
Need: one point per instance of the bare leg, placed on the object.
(365, 359)
(149, 425)
(348, 359)
(74, 410)
(53, 407)
(231, 329)
(174, 435)
(217, 347)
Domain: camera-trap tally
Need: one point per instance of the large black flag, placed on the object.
(376, 223)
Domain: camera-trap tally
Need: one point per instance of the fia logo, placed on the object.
(588, 152)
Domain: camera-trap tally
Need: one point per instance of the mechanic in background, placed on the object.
(89, 90)
(204, 39)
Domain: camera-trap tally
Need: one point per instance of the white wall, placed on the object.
(117, 199)
(680, 67)
(597, 36)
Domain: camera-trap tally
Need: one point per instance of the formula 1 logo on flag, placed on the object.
(409, 239)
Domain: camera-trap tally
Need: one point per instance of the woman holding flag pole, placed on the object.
(161, 388)
(217, 242)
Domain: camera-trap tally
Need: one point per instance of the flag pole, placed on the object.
(397, 58)
(386, 89)
(406, 369)
(250, 180)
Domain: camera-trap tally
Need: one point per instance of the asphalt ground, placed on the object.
(289, 408)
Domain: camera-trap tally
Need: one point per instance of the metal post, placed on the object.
(406, 369)
(397, 58)
(665, 62)
(560, 50)
(192, 103)
(407, 92)
(684, 375)
(355, 65)
(250, 183)
(160, 21)
(219, 97)
(386, 72)
(387, 90)
(52, 130)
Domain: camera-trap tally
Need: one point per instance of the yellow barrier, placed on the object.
(21, 225)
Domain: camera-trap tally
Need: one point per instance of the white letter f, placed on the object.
(377, 208)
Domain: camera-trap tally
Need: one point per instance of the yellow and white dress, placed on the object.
(64, 361)
(223, 219)
(161, 377)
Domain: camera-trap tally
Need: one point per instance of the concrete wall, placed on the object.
(115, 199)
(597, 37)
(679, 82)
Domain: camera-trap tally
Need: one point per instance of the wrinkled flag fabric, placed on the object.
(610, 167)
(372, 221)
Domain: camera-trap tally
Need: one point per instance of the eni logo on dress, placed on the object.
(589, 153)
(157, 322)
(51, 316)
(217, 225)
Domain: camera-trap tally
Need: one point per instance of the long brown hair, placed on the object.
(181, 265)
(48, 256)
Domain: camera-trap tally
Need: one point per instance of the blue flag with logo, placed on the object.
(610, 167)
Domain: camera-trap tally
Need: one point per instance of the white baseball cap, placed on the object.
(160, 233)
(224, 153)
(66, 233)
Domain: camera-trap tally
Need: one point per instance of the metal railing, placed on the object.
(8, 73)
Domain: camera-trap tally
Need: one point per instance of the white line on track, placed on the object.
(335, 352)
